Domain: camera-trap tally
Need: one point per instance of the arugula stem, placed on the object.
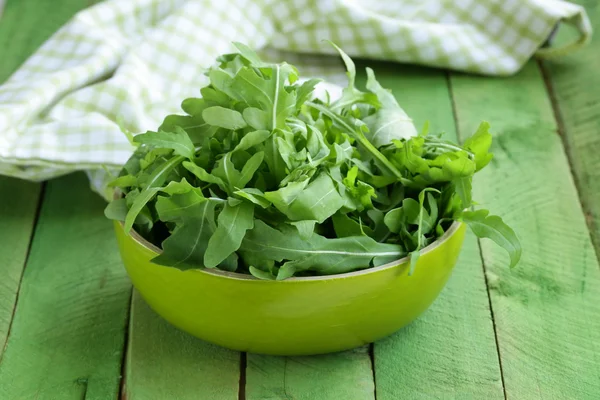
(447, 146)
(383, 161)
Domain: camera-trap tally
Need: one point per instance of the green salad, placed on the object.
(263, 177)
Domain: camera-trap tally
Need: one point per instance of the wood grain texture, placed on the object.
(165, 363)
(67, 336)
(546, 309)
(450, 351)
(346, 375)
(26, 24)
(575, 84)
(18, 205)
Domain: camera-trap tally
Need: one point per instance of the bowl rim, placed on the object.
(140, 241)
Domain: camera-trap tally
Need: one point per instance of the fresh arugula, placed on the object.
(262, 177)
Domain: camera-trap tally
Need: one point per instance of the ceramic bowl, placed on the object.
(297, 316)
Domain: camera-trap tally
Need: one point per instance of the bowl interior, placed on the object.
(236, 275)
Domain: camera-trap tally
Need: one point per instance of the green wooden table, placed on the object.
(71, 328)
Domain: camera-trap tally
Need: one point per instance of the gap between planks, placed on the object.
(127, 328)
(243, 365)
(372, 358)
(35, 221)
(562, 133)
(483, 264)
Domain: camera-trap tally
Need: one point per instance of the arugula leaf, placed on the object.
(305, 228)
(232, 224)
(251, 139)
(124, 181)
(257, 119)
(305, 91)
(226, 171)
(193, 123)
(463, 188)
(414, 257)
(345, 226)
(318, 254)
(222, 81)
(250, 55)
(361, 194)
(383, 162)
(253, 195)
(250, 169)
(178, 140)
(268, 95)
(350, 94)
(390, 121)
(273, 160)
(186, 246)
(484, 225)
(154, 185)
(116, 210)
(317, 202)
(282, 198)
(395, 219)
(144, 221)
(425, 222)
(223, 118)
(204, 176)
(479, 144)
(210, 97)
(183, 197)
(260, 274)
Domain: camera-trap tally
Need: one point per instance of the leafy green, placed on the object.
(492, 227)
(233, 222)
(193, 215)
(117, 210)
(317, 253)
(261, 176)
(178, 140)
(390, 121)
(186, 246)
(350, 94)
(153, 185)
(479, 144)
(223, 118)
(124, 181)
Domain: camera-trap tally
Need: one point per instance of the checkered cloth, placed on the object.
(130, 63)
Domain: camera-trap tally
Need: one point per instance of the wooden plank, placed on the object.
(345, 375)
(450, 352)
(67, 336)
(575, 85)
(165, 363)
(18, 205)
(546, 310)
(26, 24)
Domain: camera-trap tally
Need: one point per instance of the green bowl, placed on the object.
(297, 316)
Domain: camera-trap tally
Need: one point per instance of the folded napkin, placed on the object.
(127, 64)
